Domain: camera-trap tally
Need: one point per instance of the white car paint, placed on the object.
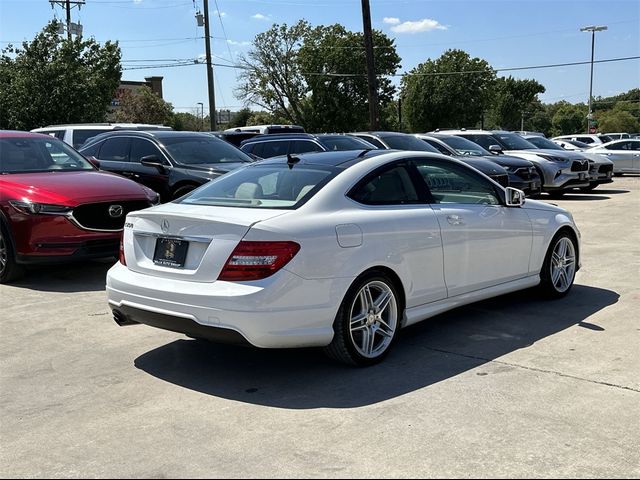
(625, 154)
(444, 255)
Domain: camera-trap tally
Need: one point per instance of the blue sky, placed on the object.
(506, 33)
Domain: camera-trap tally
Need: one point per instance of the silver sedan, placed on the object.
(625, 155)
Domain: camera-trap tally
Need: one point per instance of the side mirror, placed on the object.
(495, 149)
(94, 161)
(514, 197)
(153, 161)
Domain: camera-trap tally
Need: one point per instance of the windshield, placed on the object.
(35, 154)
(513, 141)
(541, 142)
(343, 142)
(264, 185)
(197, 150)
(408, 142)
(464, 146)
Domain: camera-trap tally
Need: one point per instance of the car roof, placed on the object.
(383, 134)
(278, 136)
(334, 158)
(22, 134)
(93, 126)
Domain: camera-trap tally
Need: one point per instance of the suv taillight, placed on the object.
(257, 260)
(121, 256)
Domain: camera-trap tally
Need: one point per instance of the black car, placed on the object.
(522, 173)
(404, 141)
(171, 163)
(270, 145)
(234, 138)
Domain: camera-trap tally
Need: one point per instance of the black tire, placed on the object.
(617, 174)
(180, 192)
(557, 194)
(548, 287)
(590, 188)
(343, 347)
(9, 269)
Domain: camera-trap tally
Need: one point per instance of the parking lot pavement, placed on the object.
(511, 387)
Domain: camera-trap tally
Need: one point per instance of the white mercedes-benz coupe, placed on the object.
(337, 250)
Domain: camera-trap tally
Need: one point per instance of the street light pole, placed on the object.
(201, 116)
(593, 29)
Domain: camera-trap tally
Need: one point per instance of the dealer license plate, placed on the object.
(170, 252)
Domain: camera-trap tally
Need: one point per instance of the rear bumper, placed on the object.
(282, 311)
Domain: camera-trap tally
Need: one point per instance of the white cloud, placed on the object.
(240, 44)
(391, 20)
(259, 16)
(137, 1)
(424, 25)
(222, 14)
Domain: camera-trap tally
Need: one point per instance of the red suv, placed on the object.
(55, 206)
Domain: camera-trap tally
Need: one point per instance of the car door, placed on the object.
(622, 155)
(114, 156)
(484, 242)
(156, 178)
(398, 224)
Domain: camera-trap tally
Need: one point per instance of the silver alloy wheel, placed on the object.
(373, 319)
(563, 264)
(4, 254)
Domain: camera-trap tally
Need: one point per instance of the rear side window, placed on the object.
(115, 150)
(81, 136)
(304, 146)
(274, 149)
(390, 186)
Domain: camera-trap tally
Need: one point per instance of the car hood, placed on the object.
(71, 188)
(508, 161)
(565, 154)
(485, 166)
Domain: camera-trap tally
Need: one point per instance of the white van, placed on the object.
(264, 129)
(77, 134)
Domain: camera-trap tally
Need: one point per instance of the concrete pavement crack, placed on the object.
(533, 369)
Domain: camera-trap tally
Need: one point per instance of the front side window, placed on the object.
(264, 185)
(452, 183)
(344, 142)
(389, 186)
(485, 141)
(115, 150)
(143, 148)
(464, 146)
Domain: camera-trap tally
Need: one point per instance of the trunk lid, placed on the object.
(201, 237)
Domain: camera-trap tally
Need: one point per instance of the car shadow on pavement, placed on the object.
(426, 353)
(610, 192)
(88, 276)
(580, 196)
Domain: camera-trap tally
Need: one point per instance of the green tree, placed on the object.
(52, 80)
(436, 93)
(568, 118)
(340, 102)
(271, 76)
(512, 99)
(618, 119)
(187, 122)
(143, 106)
(240, 118)
(260, 118)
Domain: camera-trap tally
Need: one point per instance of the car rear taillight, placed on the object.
(121, 256)
(257, 260)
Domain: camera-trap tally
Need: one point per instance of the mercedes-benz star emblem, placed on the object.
(116, 211)
(165, 226)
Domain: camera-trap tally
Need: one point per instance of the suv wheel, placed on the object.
(9, 269)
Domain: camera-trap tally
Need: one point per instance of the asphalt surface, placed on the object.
(516, 386)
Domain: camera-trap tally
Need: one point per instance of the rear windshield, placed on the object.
(202, 150)
(29, 154)
(264, 186)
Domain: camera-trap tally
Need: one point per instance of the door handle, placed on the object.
(455, 220)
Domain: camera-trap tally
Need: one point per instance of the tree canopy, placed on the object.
(143, 106)
(55, 80)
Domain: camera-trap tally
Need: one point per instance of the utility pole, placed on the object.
(522, 121)
(212, 95)
(371, 70)
(68, 5)
(593, 29)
